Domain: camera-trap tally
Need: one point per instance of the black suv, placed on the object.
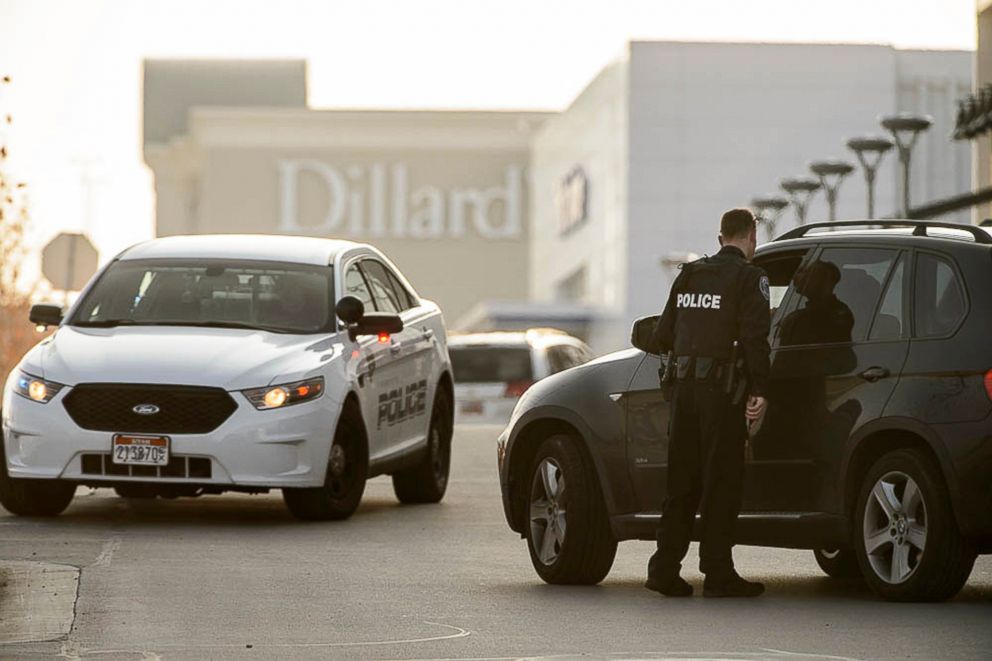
(876, 448)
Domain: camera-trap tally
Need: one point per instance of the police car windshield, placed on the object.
(270, 296)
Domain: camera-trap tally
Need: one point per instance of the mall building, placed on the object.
(575, 219)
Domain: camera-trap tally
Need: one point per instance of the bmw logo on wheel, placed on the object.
(146, 409)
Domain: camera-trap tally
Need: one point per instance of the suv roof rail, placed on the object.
(920, 228)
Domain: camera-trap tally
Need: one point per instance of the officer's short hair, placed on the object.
(736, 224)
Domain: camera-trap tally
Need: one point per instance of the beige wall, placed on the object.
(443, 194)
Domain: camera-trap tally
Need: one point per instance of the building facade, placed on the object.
(577, 218)
(676, 133)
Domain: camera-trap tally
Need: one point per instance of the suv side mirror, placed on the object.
(642, 334)
(45, 315)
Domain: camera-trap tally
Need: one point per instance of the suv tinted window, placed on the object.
(889, 321)
(491, 364)
(836, 295)
(405, 297)
(939, 299)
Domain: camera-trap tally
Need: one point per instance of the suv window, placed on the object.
(354, 285)
(836, 295)
(939, 300)
(890, 319)
(485, 364)
(386, 299)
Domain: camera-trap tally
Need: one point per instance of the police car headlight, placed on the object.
(35, 388)
(287, 394)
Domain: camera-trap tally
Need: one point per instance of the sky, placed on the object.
(75, 67)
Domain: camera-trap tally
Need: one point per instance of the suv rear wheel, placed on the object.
(344, 481)
(909, 547)
(427, 481)
(568, 533)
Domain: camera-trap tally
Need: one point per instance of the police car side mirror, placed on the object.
(642, 334)
(45, 315)
(350, 310)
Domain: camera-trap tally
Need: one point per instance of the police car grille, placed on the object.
(181, 409)
(101, 464)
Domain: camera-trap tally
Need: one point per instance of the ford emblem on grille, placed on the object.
(146, 409)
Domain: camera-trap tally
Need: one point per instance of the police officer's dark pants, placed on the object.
(705, 474)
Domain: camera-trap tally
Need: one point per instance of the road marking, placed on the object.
(107, 553)
(458, 632)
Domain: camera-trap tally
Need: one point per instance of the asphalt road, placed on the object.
(235, 577)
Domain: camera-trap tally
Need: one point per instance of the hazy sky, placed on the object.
(76, 66)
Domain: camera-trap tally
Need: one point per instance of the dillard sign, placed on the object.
(376, 201)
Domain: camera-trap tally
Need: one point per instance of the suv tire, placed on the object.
(344, 479)
(428, 480)
(563, 496)
(838, 563)
(27, 497)
(908, 544)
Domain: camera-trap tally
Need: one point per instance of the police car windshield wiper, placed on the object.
(112, 323)
(105, 323)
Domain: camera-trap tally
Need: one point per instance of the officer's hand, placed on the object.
(755, 408)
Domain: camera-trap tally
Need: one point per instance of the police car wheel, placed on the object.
(26, 497)
(908, 544)
(838, 563)
(428, 480)
(568, 532)
(344, 481)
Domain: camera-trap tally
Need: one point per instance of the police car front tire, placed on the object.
(26, 497)
(567, 529)
(427, 481)
(344, 481)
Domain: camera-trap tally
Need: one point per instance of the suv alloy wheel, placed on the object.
(568, 533)
(908, 543)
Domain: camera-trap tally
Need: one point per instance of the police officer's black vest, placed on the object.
(707, 302)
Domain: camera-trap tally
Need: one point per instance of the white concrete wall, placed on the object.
(591, 134)
(711, 125)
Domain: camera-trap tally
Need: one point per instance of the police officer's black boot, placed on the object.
(674, 586)
(730, 585)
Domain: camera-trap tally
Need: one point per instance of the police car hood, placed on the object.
(232, 359)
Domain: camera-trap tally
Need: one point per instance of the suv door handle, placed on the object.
(395, 348)
(428, 333)
(873, 374)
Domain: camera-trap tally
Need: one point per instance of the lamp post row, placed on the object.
(904, 128)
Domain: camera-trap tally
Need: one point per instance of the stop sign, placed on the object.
(69, 261)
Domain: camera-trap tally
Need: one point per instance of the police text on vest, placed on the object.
(710, 301)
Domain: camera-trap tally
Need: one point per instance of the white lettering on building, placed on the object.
(376, 201)
(708, 301)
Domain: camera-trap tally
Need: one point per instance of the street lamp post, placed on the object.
(831, 173)
(769, 208)
(870, 149)
(800, 191)
(905, 128)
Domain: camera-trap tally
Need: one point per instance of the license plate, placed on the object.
(472, 408)
(141, 450)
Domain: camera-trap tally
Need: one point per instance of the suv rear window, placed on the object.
(939, 301)
(491, 364)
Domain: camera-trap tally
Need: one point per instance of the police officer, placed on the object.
(715, 328)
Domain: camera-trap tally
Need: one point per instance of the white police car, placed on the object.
(204, 364)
